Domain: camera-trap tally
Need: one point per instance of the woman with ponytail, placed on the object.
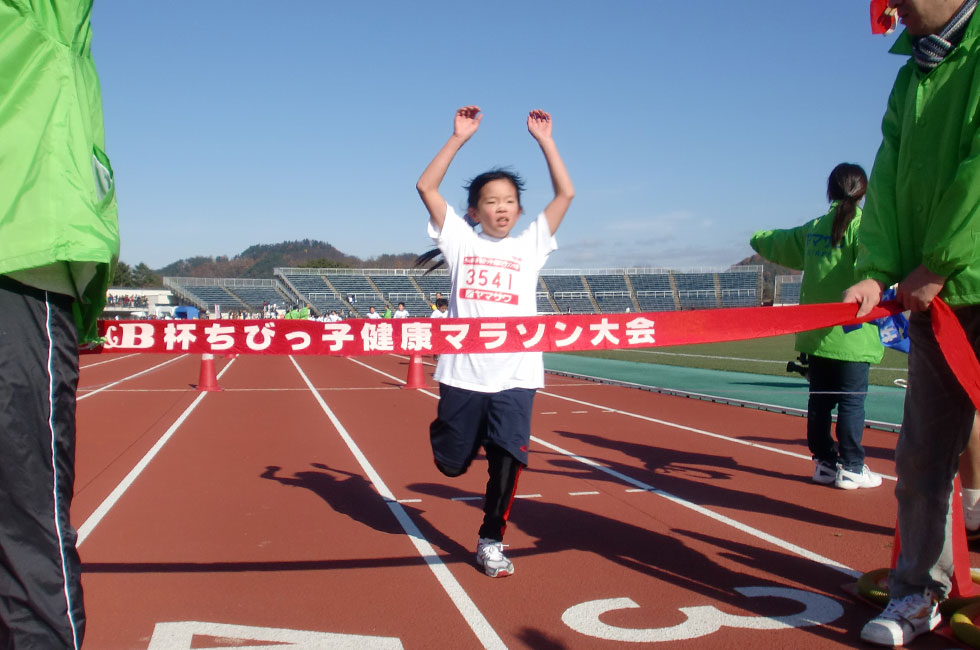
(825, 250)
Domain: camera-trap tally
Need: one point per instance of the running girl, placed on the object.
(485, 399)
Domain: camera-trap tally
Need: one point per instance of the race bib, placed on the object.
(489, 279)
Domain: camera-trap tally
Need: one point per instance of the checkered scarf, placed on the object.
(929, 51)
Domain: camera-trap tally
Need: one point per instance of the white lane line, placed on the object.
(577, 412)
(755, 532)
(644, 487)
(381, 372)
(246, 390)
(781, 362)
(116, 383)
(637, 490)
(549, 412)
(471, 614)
(146, 390)
(93, 520)
(692, 429)
(516, 496)
(100, 363)
(701, 510)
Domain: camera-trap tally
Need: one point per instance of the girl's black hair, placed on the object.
(475, 185)
(847, 185)
(433, 257)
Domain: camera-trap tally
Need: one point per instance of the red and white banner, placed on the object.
(561, 333)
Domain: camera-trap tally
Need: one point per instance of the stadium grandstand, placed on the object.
(351, 292)
(786, 290)
(230, 295)
(740, 286)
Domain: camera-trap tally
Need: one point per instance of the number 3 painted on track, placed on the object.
(703, 620)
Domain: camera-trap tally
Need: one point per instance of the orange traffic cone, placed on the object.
(416, 377)
(208, 379)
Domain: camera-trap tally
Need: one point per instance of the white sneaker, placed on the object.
(853, 480)
(971, 517)
(490, 555)
(824, 472)
(903, 620)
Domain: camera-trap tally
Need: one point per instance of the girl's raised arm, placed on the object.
(539, 126)
(465, 124)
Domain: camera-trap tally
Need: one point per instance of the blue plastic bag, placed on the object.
(893, 330)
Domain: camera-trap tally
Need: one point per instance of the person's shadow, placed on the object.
(345, 492)
(882, 453)
(664, 555)
(354, 496)
(706, 479)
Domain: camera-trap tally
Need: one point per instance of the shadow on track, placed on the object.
(881, 453)
(700, 478)
(345, 492)
(666, 558)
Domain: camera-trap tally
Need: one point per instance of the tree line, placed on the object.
(139, 277)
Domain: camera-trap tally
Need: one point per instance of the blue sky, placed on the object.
(685, 126)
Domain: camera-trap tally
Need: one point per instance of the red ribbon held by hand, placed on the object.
(956, 348)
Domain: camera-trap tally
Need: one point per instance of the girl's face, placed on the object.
(498, 208)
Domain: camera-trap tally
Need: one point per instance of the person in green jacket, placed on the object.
(921, 229)
(825, 249)
(59, 241)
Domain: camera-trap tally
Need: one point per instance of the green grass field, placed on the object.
(767, 356)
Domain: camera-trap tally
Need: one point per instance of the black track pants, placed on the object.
(504, 470)
(40, 576)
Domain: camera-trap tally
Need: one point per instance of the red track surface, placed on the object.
(256, 512)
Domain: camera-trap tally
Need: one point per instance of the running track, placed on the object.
(300, 508)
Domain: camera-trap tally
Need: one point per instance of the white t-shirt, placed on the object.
(373, 315)
(492, 278)
(438, 313)
(400, 313)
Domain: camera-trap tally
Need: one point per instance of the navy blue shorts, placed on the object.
(467, 420)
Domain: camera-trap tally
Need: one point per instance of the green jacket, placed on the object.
(827, 271)
(924, 193)
(58, 227)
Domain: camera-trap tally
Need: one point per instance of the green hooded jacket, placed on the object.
(58, 226)
(827, 271)
(924, 193)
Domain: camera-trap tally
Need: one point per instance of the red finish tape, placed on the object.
(560, 333)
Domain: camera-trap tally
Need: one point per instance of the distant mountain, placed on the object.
(258, 261)
(769, 273)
